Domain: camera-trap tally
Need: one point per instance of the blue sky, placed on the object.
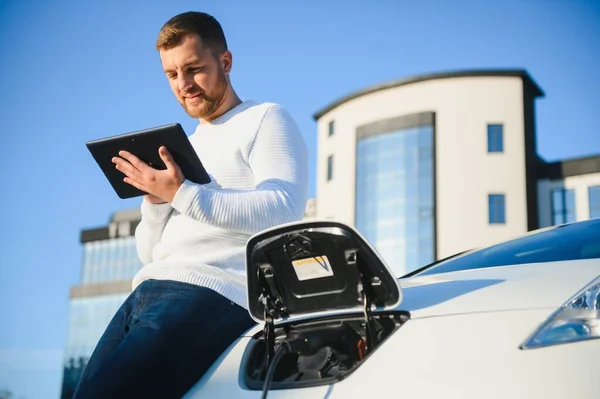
(75, 71)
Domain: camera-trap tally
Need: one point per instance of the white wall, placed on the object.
(579, 184)
(466, 173)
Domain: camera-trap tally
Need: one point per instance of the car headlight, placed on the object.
(577, 320)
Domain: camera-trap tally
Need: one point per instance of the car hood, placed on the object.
(530, 286)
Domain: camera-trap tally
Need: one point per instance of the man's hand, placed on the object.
(159, 184)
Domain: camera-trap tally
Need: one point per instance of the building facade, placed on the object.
(569, 190)
(433, 165)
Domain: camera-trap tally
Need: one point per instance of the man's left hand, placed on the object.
(163, 184)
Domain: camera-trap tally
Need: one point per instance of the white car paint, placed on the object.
(533, 286)
(462, 342)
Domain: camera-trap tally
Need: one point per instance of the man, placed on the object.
(189, 299)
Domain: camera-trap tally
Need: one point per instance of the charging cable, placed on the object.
(280, 352)
(306, 344)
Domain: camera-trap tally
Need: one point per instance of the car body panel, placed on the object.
(539, 285)
(473, 355)
(462, 342)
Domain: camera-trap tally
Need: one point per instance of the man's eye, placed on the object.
(197, 69)
(171, 75)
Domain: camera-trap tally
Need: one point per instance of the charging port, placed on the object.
(321, 351)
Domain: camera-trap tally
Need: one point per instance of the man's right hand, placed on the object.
(153, 199)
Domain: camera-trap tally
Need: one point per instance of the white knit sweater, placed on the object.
(257, 160)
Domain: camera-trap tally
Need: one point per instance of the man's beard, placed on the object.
(210, 102)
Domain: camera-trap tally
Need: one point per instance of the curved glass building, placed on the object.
(395, 187)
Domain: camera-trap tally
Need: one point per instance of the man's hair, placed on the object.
(192, 22)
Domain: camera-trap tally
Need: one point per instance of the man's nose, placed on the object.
(184, 82)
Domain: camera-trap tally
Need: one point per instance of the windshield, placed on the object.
(565, 242)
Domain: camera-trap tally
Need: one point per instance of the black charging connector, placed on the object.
(280, 352)
(308, 343)
(298, 343)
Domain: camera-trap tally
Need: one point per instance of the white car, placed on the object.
(514, 320)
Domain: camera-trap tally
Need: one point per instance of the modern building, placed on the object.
(569, 190)
(429, 166)
(109, 264)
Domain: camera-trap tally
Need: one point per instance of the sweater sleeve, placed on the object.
(149, 231)
(278, 159)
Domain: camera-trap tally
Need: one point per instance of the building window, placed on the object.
(594, 199)
(495, 138)
(331, 127)
(395, 195)
(329, 167)
(563, 206)
(497, 208)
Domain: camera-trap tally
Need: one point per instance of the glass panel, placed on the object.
(88, 318)
(134, 263)
(103, 264)
(114, 259)
(394, 196)
(557, 206)
(563, 206)
(495, 138)
(594, 200)
(569, 206)
(96, 259)
(497, 208)
(88, 261)
(122, 259)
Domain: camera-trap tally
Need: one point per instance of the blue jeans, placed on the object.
(161, 341)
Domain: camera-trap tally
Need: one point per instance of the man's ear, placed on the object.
(226, 61)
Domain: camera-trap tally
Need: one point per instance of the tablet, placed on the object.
(145, 144)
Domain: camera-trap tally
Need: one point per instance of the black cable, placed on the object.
(282, 350)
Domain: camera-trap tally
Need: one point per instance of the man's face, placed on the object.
(197, 76)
